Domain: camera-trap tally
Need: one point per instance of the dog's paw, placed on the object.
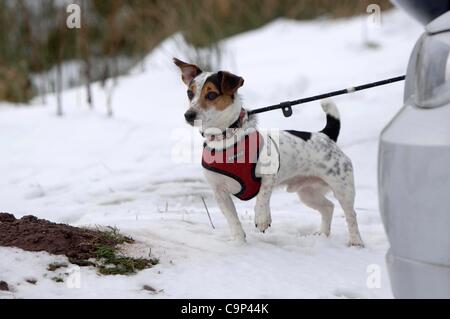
(238, 239)
(263, 222)
(321, 233)
(262, 227)
(315, 234)
(356, 242)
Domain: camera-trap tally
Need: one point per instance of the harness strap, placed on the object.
(238, 162)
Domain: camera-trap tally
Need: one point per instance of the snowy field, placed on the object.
(86, 169)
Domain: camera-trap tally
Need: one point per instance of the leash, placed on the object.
(286, 107)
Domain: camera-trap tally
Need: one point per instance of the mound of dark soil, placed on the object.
(4, 286)
(32, 234)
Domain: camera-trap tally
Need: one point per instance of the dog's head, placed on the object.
(213, 97)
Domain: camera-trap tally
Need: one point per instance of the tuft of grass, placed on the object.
(81, 262)
(108, 258)
(31, 281)
(111, 263)
(58, 279)
(55, 266)
(372, 45)
(113, 236)
(106, 252)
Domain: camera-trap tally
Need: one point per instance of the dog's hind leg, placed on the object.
(344, 191)
(314, 197)
(347, 204)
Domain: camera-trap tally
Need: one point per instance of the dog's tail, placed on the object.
(333, 126)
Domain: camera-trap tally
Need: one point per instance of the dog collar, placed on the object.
(231, 130)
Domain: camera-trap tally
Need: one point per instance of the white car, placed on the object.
(414, 164)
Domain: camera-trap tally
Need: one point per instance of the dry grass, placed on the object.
(207, 21)
(33, 42)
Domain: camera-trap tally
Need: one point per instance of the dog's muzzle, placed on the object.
(190, 116)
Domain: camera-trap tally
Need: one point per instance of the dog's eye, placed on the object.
(211, 96)
(190, 94)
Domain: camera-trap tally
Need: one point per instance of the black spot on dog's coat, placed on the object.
(306, 136)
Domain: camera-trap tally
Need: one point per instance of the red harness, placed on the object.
(238, 162)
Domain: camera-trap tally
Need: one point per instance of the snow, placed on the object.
(135, 172)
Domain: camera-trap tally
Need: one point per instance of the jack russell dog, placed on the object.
(239, 160)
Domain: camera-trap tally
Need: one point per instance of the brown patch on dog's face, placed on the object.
(230, 83)
(219, 90)
(211, 97)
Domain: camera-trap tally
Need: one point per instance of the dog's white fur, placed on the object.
(310, 168)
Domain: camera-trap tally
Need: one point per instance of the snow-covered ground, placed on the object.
(86, 169)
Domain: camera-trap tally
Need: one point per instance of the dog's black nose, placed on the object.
(190, 116)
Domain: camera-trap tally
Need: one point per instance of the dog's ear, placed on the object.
(188, 71)
(230, 83)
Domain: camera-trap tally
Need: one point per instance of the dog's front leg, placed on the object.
(263, 219)
(226, 204)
